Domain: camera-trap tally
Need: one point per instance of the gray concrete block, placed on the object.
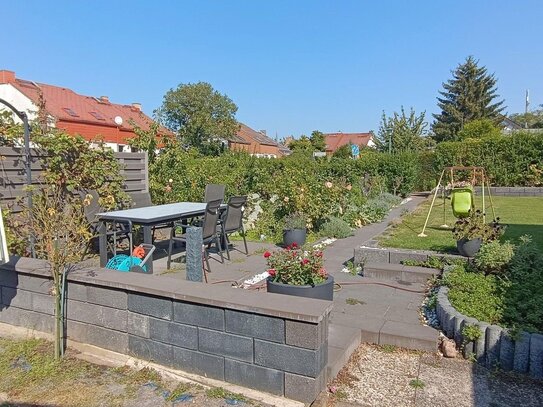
(36, 284)
(199, 363)
(148, 305)
(254, 377)
(184, 336)
(288, 358)
(303, 388)
(305, 335)
(224, 344)
(76, 291)
(507, 351)
(195, 270)
(536, 356)
(199, 315)
(107, 297)
(521, 360)
(255, 326)
(138, 325)
(458, 323)
(115, 319)
(370, 255)
(17, 298)
(492, 345)
(480, 344)
(398, 256)
(468, 347)
(43, 303)
(411, 336)
(98, 336)
(84, 312)
(27, 319)
(108, 339)
(147, 349)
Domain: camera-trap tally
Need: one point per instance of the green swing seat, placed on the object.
(462, 201)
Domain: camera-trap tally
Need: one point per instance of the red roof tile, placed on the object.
(336, 140)
(248, 134)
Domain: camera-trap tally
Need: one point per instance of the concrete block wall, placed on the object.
(512, 191)
(364, 255)
(256, 340)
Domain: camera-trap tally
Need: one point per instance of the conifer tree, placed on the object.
(470, 95)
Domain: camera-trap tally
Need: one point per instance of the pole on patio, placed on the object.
(28, 165)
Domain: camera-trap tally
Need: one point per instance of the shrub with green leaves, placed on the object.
(337, 228)
(493, 257)
(475, 294)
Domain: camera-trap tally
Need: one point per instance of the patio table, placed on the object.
(147, 217)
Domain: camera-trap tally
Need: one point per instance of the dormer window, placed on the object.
(70, 111)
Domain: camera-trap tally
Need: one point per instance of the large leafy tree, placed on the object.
(402, 132)
(532, 120)
(471, 94)
(316, 142)
(202, 117)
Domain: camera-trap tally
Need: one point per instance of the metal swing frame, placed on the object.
(448, 173)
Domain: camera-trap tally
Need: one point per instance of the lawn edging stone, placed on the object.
(522, 353)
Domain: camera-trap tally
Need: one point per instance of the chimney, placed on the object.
(7, 76)
(262, 132)
(136, 106)
(104, 99)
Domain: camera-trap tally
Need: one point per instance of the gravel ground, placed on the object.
(387, 376)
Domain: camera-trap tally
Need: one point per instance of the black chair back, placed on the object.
(214, 192)
(140, 199)
(234, 214)
(211, 217)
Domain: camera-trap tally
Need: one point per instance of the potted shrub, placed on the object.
(471, 232)
(294, 271)
(294, 229)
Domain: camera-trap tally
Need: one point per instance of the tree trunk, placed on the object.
(58, 321)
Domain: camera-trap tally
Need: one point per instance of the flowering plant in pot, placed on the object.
(472, 231)
(294, 229)
(295, 271)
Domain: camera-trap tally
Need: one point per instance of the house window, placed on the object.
(71, 112)
(98, 116)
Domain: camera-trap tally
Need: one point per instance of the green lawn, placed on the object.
(522, 215)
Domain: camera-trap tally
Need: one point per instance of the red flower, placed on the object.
(294, 245)
(305, 261)
(267, 254)
(272, 272)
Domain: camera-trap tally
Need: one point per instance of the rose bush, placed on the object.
(296, 266)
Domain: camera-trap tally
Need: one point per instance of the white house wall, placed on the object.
(12, 95)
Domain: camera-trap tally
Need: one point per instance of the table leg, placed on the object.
(148, 238)
(102, 244)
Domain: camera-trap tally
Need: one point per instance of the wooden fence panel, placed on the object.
(13, 177)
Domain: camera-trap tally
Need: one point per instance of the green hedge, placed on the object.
(508, 160)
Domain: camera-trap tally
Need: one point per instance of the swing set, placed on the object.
(460, 192)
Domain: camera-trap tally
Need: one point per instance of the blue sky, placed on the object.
(290, 66)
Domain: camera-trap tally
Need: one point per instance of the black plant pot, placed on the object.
(324, 291)
(294, 236)
(469, 248)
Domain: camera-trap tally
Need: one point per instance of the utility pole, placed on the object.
(526, 108)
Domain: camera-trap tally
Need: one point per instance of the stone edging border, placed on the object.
(495, 347)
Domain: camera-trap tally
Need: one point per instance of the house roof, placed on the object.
(66, 105)
(336, 140)
(249, 135)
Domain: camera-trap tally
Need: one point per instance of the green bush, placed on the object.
(475, 294)
(493, 257)
(523, 297)
(337, 228)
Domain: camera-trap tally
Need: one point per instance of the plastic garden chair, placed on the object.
(214, 192)
(232, 221)
(210, 233)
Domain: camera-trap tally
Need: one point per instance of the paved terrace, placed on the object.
(365, 309)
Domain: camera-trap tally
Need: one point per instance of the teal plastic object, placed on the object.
(122, 262)
(462, 202)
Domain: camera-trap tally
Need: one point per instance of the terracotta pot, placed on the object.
(324, 291)
(469, 248)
